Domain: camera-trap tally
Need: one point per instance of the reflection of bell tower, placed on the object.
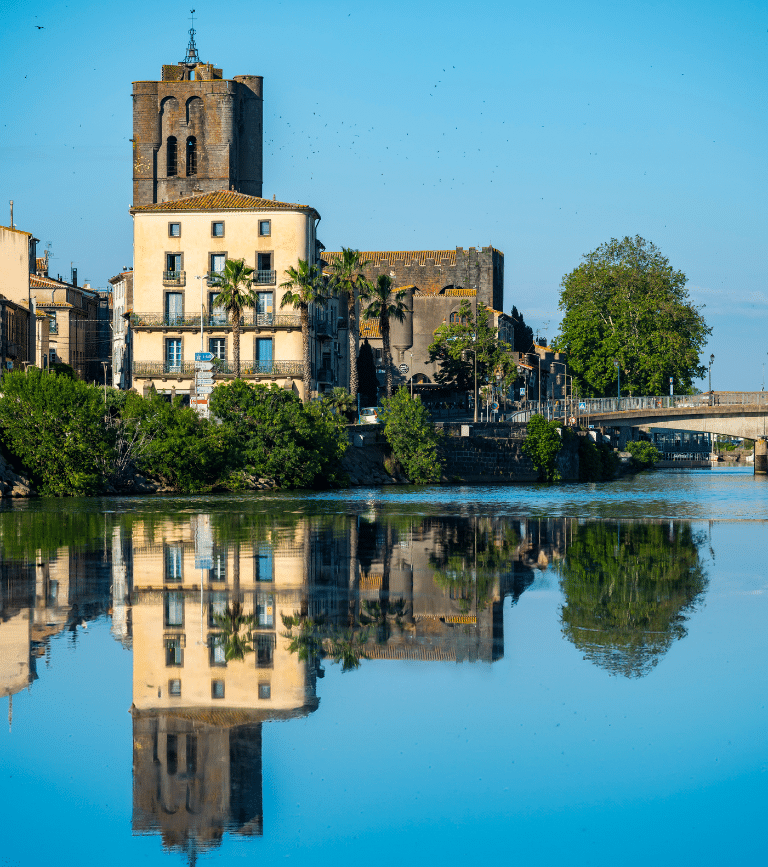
(195, 132)
(194, 777)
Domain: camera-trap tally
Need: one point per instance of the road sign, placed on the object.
(203, 365)
(403, 369)
(204, 389)
(203, 356)
(199, 401)
(495, 406)
(204, 379)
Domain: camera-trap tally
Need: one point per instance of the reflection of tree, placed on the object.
(312, 639)
(236, 631)
(628, 589)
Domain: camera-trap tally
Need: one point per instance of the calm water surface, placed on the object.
(542, 675)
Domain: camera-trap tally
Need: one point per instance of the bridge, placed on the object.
(729, 413)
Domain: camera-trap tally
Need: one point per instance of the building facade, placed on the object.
(196, 132)
(122, 306)
(180, 248)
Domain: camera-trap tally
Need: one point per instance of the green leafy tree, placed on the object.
(628, 589)
(54, 427)
(347, 278)
(306, 286)
(644, 454)
(366, 373)
(340, 400)
(236, 293)
(454, 344)
(385, 304)
(523, 334)
(412, 437)
(277, 437)
(626, 303)
(542, 445)
(236, 630)
(181, 449)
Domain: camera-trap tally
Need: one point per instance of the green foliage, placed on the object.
(306, 285)
(542, 445)
(275, 436)
(340, 400)
(523, 333)
(61, 369)
(385, 304)
(314, 639)
(412, 437)
(54, 426)
(644, 454)
(626, 302)
(348, 279)
(454, 345)
(597, 463)
(236, 293)
(627, 589)
(183, 450)
(236, 631)
(368, 387)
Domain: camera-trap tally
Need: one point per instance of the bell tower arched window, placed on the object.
(191, 156)
(172, 157)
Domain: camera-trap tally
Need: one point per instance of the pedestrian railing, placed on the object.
(220, 368)
(216, 319)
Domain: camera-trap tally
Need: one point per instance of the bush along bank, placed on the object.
(70, 440)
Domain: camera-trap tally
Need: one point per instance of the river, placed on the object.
(534, 674)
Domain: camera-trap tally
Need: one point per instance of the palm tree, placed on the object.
(347, 277)
(235, 294)
(385, 305)
(306, 286)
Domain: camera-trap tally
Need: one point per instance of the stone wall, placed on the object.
(12, 484)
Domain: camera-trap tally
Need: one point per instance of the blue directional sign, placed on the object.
(203, 356)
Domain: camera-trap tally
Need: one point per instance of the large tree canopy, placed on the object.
(625, 302)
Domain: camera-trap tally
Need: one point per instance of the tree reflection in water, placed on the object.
(313, 640)
(628, 591)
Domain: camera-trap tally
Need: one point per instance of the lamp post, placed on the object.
(618, 377)
(105, 364)
(711, 359)
(411, 354)
(565, 394)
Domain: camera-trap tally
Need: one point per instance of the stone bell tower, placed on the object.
(196, 132)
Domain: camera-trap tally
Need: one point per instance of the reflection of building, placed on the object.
(197, 714)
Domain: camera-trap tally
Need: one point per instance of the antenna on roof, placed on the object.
(192, 55)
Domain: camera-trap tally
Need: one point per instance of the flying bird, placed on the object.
(39, 27)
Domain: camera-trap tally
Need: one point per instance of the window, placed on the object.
(218, 653)
(265, 610)
(173, 652)
(217, 265)
(264, 262)
(174, 230)
(173, 355)
(265, 228)
(217, 689)
(265, 690)
(174, 563)
(264, 354)
(173, 262)
(217, 606)
(264, 647)
(218, 346)
(217, 230)
(172, 157)
(173, 608)
(191, 156)
(218, 314)
(174, 688)
(263, 569)
(219, 570)
(265, 303)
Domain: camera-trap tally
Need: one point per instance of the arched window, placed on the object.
(172, 157)
(191, 156)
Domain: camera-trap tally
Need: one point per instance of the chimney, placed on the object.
(12, 226)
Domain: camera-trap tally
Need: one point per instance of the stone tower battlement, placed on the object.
(196, 132)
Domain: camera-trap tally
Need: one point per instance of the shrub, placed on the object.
(411, 436)
(277, 437)
(54, 426)
(342, 401)
(542, 445)
(644, 454)
(597, 463)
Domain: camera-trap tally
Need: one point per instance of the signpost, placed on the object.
(403, 368)
(204, 381)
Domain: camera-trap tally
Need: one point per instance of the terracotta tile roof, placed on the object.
(407, 257)
(46, 282)
(223, 200)
(447, 291)
(18, 231)
(370, 328)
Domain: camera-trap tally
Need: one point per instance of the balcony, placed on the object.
(254, 369)
(174, 278)
(324, 328)
(217, 319)
(265, 278)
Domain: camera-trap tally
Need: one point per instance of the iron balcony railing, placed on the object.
(174, 278)
(265, 278)
(217, 319)
(220, 368)
(214, 278)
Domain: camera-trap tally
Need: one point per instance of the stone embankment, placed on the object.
(11, 483)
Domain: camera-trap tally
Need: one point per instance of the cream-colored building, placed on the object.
(180, 248)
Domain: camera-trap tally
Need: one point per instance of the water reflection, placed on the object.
(231, 618)
(629, 589)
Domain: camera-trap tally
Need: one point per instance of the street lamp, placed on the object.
(618, 376)
(711, 359)
(565, 395)
(411, 354)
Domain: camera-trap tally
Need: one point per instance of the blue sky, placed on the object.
(543, 129)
